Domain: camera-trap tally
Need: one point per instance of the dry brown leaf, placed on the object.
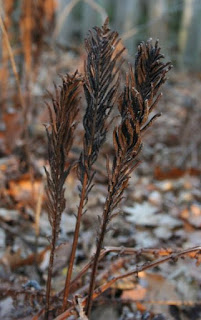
(14, 260)
(138, 293)
(22, 190)
(174, 173)
(10, 259)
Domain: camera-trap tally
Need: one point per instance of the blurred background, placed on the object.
(176, 23)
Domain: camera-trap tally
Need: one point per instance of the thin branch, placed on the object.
(63, 16)
(12, 60)
(121, 251)
(191, 252)
(96, 6)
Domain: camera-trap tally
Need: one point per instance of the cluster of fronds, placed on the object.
(60, 138)
(100, 83)
(135, 105)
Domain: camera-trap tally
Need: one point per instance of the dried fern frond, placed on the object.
(100, 88)
(150, 74)
(60, 138)
(150, 71)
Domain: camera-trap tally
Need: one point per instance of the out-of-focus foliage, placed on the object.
(172, 21)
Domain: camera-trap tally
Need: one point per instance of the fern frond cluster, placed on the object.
(102, 92)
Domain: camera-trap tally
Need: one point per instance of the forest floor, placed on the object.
(161, 209)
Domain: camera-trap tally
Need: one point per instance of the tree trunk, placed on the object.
(189, 39)
(157, 20)
(126, 18)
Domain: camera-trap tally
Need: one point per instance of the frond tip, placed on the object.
(100, 86)
(60, 133)
(150, 71)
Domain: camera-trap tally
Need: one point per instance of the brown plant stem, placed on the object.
(121, 251)
(117, 264)
(78, 220)
(191, 252)
(144, 267)
(74, 245)
(12, 60)
(49, 277)
(128, 144)
(97, 254)
(106, 213)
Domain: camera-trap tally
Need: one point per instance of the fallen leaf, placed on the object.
(138, 293)
(10, 259)
(174, 173)
(145, 215)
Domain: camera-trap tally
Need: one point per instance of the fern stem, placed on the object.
(49, 278)
(97, 255)
(75, 242)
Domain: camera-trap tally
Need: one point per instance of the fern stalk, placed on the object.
(127, 143)
(100, 88)
(60, 138)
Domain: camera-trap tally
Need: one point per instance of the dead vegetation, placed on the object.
(103, 88)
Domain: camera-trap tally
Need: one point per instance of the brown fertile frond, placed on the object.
(60, 139)
(150, 74)
(150, 71)
(100, 87)
(127, 144)
(135, 105)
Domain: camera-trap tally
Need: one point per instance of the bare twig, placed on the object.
(38, 209)
(158, 302)
(12, 60)
(65, 12)
(96, 6)
(192, 253)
